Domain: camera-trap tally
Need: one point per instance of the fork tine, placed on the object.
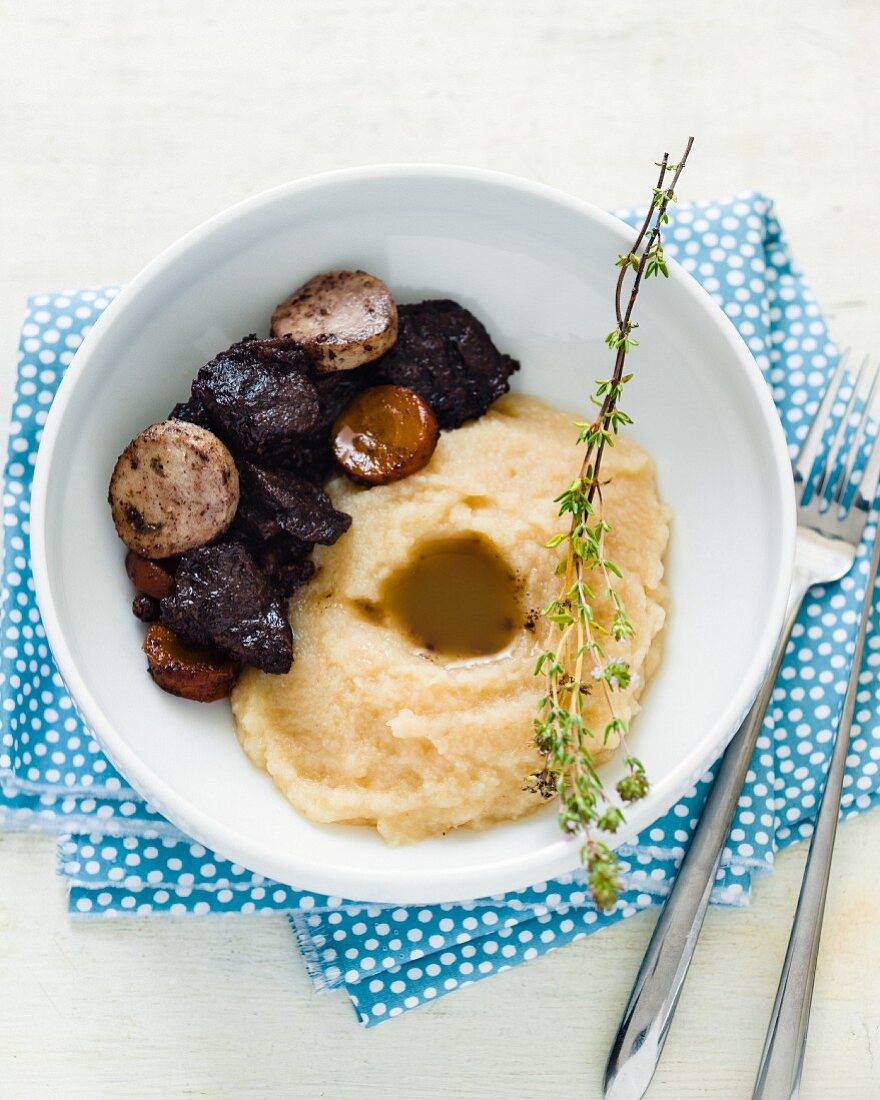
(803, 464)
(846, 474)
(867, 487)
(829, 465)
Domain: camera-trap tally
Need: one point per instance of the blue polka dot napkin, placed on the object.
(118, 855)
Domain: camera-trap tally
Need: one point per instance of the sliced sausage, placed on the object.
(203, 675)
(385, 434)
(153, 578)
(174, 487)
(346, 318)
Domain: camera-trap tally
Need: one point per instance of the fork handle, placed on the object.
(642, 1033)
(782, 1060)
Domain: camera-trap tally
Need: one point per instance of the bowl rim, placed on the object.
(364, 883)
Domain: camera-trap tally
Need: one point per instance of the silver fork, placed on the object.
(782, 1060)
(831, 521)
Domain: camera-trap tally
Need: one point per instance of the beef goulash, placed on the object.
(222, 505)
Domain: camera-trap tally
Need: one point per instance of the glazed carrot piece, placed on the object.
(385, 434)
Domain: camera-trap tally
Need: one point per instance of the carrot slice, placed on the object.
(203, 675)
(386, 433)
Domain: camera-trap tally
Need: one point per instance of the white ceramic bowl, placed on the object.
(538, 268)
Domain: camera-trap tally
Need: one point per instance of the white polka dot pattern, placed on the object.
(119, 856)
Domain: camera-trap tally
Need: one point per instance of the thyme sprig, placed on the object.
(578, 664)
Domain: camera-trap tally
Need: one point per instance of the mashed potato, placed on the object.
(367, 728)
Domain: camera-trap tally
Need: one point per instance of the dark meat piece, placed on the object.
(278, 500)
(254, 523)
(192, 411)
(288, 354)
(447, 357)
(145, 608)
(280, 442)
(222, 598)
(283, 559)
(336, 389)
(310, 456)
(253, 403)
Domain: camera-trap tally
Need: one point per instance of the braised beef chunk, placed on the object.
(288, 354)
(445, 354)
(295, 505)
(285, 354)
(221, 597)
(283, 559)
(253, 522)
(270, 548)
(310, 456)
(253, 403)
(192, 411)
(336, 388)
(255, 525)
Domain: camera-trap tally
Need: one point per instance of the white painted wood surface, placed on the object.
(123, 125)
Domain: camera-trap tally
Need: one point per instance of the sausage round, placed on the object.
(174, 487)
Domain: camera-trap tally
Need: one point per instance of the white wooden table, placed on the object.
(121, 126)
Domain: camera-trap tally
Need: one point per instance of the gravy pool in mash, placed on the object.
(371, 726)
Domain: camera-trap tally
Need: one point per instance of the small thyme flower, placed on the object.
(575, 663)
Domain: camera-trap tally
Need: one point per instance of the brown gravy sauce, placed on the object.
(456, 597)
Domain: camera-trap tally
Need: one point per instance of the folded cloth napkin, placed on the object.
(118, 855)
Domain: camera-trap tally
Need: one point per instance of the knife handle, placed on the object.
(639, 1041)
